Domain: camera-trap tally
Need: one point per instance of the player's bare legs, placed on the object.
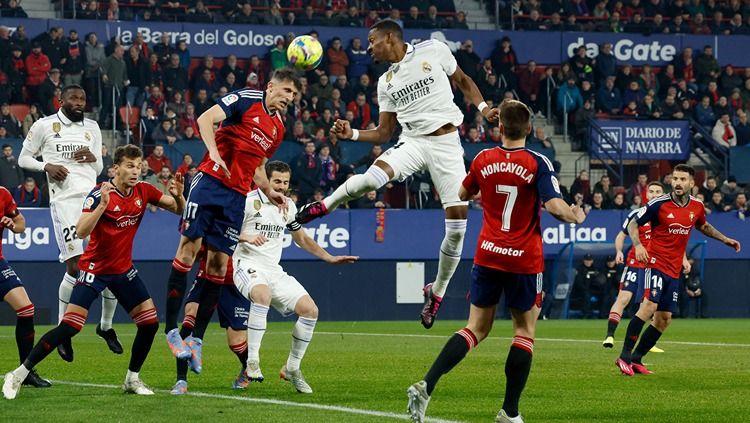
(307, 313)
(644, 314)
(449, 257)
(376, 176)
(615, 312)
(18, 300)
(187, 251)
(257, 321)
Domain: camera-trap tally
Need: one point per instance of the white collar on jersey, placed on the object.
(64, 119)
(409, 54)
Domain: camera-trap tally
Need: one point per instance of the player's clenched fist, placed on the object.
(342, 129)
(492, 115)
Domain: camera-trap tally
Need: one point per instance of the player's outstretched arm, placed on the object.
(312, 247)
(619, 244)
(174, 202)
(471, 91)
(714, 233)
(206, 123)
(380, 135)
(89, 219)
(563, 212)
(16, 224)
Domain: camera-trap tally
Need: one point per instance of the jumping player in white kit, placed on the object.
(70, 146)
(416, 91)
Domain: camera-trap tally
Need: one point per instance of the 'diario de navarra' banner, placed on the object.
(642, 139)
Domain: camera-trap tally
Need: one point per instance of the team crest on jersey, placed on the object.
(426, 67)
(692, 216)
(56, 129)
(87, 136)
(256, 204)
(388, 76)
(138, 202)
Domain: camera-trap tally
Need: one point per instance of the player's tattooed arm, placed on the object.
(641, 254)
(714, 233)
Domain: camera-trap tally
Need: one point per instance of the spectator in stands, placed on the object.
(308, 17)
(189, 135)
(178, 104)
(634, 93)
(609, 99)
(678, 25)
(91, 12)
(413, 20)
(706, 67)
(729, 80)
(15, 68)
(371, 201)
(581, 65)
(30, 118)
(13, 10)
(175, 77)
(468, 60)
(114, 74)
(639, 187)
(363, 86)
(208, 83)
(395, 16)
(742, 129)
(685, 92)
(107, 160)
(636, 203)
(604, 186)
(74, 60)
(735, 101)
(9, 122)
(11, 174)
(46, 93)
(321, 89)
(670, 109)
(606, 64)
(28, 194)
(298, 134)
(329, 168)
(230, 66)
(710, 186)
(94, 52)
(278, 55)
(704, 113)
(257, 67)
(359, 60)
(740, 205)
(589, 285)
(504, 59)
(624, 77)
(582, 185)
(351, 18)
(37, 65)
(308, 171)
(618, 203)
(649, 109)
(155, 101)
(252, 82)
(722, 106)
(336, 103)
(597, 201)
(730, 189)
(52, 45)
(137, 70)
(717, 203)
(165, 133)
(200, 13)
(337, 59)
(569, 96)
(230, 83)
(472, 136)
(361, 110)
(587, 91)
(246, 15)
(202, 102)
(723, 132)
(528, 83)
(187, 160)
(163, 49)
(157, 160)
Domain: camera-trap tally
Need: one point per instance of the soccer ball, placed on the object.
(305, 52)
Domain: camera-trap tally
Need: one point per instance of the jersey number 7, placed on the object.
(511, 193)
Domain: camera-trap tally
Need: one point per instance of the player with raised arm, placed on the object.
(12, 290)
(260, 278)
(233, 309)
(111, 214)
(514, 182)
(672, 218)
(250, 130)
(416, 90)
(631, 281)
(71, 149)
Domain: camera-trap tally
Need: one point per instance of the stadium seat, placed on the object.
(19, 111)
(133, 122)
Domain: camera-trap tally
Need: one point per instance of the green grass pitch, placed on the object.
(704, 376)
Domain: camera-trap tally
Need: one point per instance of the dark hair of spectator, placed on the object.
(389, 26)
(656, 183)
(6, 146)
(287, 74)
(515, 117)
(277, 166)
(129, 151)
(72, 87)
(684, 168)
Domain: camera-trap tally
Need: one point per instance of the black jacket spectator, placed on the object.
(307, 171)
(11, 174)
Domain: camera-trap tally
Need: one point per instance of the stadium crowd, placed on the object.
(167, 89)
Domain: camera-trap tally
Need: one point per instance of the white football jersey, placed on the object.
(418, 89)
(263, 217)
(56, 138)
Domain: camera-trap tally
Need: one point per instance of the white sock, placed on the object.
(131, 376)
(63, 295)
(301, 337)
(357, 186)
(450, 254)
(256, 328)
(109, 305)
(21, 372)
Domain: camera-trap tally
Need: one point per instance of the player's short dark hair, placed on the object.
(656, 183)
(129, 151)
(684, 168)
(515, 117)
(287, 74)
(389, 26)
(72, 87)
(277, 166)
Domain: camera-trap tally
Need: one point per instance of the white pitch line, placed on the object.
(314, 406)
(415, 335)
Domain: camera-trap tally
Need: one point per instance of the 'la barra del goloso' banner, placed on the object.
(643, 139)
(409, 235)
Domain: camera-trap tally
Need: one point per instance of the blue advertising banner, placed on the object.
(221, 40)
(643, 139)
(409, 235)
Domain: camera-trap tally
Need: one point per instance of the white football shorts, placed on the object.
(285, 289)
(65, 215)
